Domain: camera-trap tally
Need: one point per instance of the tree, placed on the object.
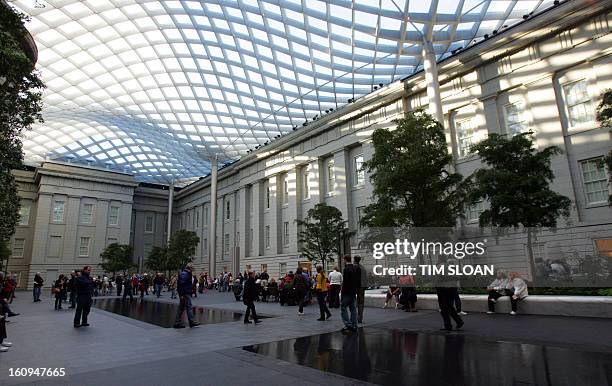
(516, 183)
(117, 257)
(181, 248)
(321, 233)
(20, 106)
(5, 252)
(410, 173)
(604, 117)
(157, 259)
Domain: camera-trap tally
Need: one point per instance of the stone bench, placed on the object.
(587, 306)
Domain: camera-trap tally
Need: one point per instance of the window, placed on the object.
(24, 214)
(331, 177)
(360, 214)
(251, 240)
(473, 212)
(267, 196)
(197, 218)
(84, 246)
(227, 210)
(578, 102)
(358, 172)
(87, 214)
(146, 251)
(282, 269)
(286, 233)
(18, 246)
(264, 267)
(516, 122)
(148, 224)
(285, 189)
(58, 211)
(113, 218)
(206, 247)
(595, 181)
(55, 245)
(306, 184)
(267, 236)
(226, 244)
(205, 215)
(465, 135)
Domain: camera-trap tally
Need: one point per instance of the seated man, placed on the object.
(499, 287)
(519, 291)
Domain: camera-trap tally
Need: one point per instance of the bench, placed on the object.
(582, 306)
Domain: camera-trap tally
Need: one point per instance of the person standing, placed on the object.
(127, 289)
(71, 289)
(350, 284)
(184, 286)
(158, 282)
(4, 345)
(172, 286)
(38, 283)
(84, 289)
(248, 297)
(59, 289)
(300, 285)
(446, 290)
(321, 289)
(119, 284)
(363, 285)
(335, 282)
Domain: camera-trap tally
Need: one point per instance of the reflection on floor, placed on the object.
(392, 357)
(163, 314)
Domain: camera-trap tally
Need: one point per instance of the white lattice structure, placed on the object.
(157, 87)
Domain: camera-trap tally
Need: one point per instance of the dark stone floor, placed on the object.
(393, 348)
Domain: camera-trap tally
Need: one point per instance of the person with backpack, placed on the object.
(184, 287)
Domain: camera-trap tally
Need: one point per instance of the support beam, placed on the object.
(170, 202)
(212, 238)
(433, 86)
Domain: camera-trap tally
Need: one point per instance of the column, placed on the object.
(170, 202)
(431, 78)
(212, 255)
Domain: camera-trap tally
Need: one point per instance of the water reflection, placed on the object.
(163, 314)
(392, 357)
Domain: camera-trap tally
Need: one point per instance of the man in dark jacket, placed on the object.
(183, 287)
(119, 284)
(38, 283)
(446, 289)
(249, 296)
(348, 294)
(84, 287)
(363, 285)
(158, 282)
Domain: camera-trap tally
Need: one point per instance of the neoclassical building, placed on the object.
(546, 74)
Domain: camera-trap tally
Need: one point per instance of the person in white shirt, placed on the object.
(335, 283)
(520, 291)
(499, 287)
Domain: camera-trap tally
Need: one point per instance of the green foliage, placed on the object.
(604, 117)
(5, 252)
(410, 173)
(321, 232)
(181, 249)
(117, 257)
(516, 184)
(20, 106)
(157, 260)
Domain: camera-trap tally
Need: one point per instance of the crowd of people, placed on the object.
(333, 290)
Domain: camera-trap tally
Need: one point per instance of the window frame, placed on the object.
(523, 114)
(306, 184)
(459, 139)
(584, 182)
(81, 246)
(54, 211)
(358, 172)
(286, 233)
(267, 236)
(90, 214)
(110, 215)
(15, 247)
(147, 217)
(588, 100)
(23, 217)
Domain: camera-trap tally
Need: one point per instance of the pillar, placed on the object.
(170, 202)
(431, 78)
(212, 229)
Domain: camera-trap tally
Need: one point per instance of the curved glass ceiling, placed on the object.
(157, 87)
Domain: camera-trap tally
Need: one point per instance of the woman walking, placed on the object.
(321, 289)
(59, 290)
(300, 286)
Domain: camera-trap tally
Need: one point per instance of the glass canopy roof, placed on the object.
(155, 88)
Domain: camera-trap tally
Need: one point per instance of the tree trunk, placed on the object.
(532, 266)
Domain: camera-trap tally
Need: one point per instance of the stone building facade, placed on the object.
(544, 75)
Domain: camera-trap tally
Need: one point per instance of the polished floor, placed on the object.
(392, 357)
(163, 314)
